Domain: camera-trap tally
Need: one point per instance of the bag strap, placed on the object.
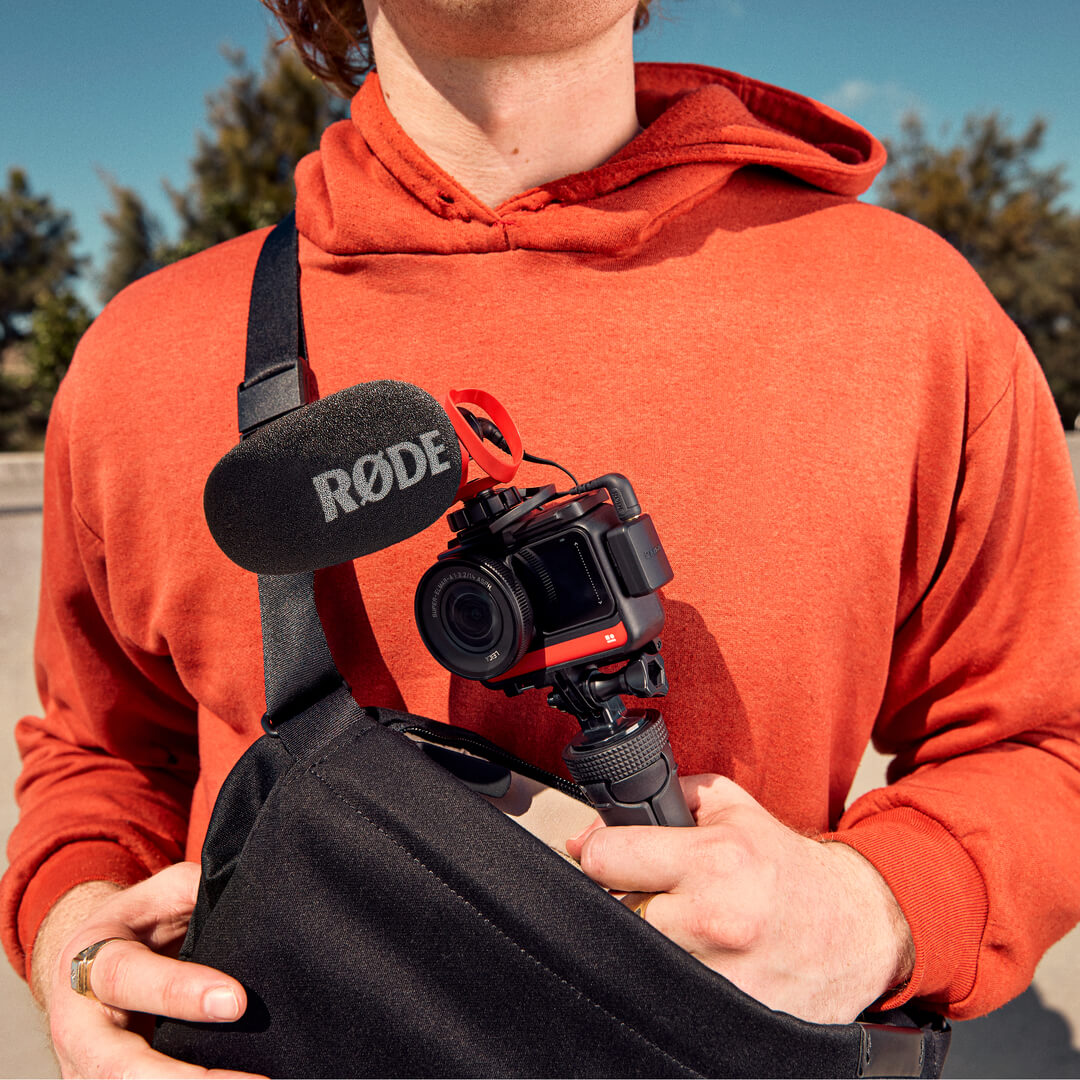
(301, 677)
(276, 359)
(308, 701)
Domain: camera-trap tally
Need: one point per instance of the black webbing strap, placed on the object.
(301, 677)
(300, 674)
(276, 351)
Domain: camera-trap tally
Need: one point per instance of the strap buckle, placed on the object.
(270, 395)
(891, 1051)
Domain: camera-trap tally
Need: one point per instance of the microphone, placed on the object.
(341, 477)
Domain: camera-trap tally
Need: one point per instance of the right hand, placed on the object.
(132, 979)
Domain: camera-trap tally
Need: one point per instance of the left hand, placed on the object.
(808, 928)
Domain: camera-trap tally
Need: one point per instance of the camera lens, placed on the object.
(470, 616)
(473, 616)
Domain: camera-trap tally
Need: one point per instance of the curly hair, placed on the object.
(332, 37)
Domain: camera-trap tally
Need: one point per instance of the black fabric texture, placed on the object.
(388, 921)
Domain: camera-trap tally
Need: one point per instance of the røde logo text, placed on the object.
(373, 475)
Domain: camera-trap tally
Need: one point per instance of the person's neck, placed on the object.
(503, 125)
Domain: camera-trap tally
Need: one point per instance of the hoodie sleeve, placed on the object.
(109, 767)
(978, 829)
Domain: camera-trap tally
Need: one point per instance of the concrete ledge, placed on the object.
(23, 470)
(21, 482)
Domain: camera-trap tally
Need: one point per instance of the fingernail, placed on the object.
(221, 1003)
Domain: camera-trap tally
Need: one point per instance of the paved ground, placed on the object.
(1037, 1035)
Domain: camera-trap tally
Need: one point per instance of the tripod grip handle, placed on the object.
(630, 775)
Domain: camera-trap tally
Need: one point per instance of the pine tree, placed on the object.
(135, 242)
(261, 124)
(36, 255)
(37, 266)
(55, 328)
(56, 325)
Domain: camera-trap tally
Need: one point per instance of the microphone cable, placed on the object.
(486, 429)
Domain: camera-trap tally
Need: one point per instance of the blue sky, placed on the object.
(121, 86)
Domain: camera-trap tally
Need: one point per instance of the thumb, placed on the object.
(576, 843)
(159, 908)
(711, 797)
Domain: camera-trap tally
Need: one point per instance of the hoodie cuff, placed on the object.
(939, 890)
(73, 864)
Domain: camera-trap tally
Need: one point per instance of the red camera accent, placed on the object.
(498, 468)
(613, 637)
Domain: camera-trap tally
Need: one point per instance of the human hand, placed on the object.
(132, 979)
(805, 927)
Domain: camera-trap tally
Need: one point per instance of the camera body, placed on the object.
(542, 589)
(534, 584)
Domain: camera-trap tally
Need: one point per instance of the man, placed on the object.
(657, 276)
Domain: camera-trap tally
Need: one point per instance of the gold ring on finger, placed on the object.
(82, 962)
(637, 902)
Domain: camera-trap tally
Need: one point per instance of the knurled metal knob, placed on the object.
(619, 756)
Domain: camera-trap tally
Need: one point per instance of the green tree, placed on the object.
(55, 328)
(987, 196)
(261, 124)
(14, 400)
(26, 395)
(36, 255)
(40, 318)
(135, 241)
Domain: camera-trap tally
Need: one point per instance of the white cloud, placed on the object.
(851, 94)
(860, 96)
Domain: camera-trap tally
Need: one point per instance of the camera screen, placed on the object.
(564, 582)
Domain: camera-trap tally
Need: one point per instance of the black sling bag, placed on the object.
(387, 919)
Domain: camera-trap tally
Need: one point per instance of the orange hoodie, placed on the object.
(848, 449)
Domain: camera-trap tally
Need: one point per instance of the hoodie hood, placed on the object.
(370, 189)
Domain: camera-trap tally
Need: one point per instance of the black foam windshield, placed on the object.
(339, 478)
